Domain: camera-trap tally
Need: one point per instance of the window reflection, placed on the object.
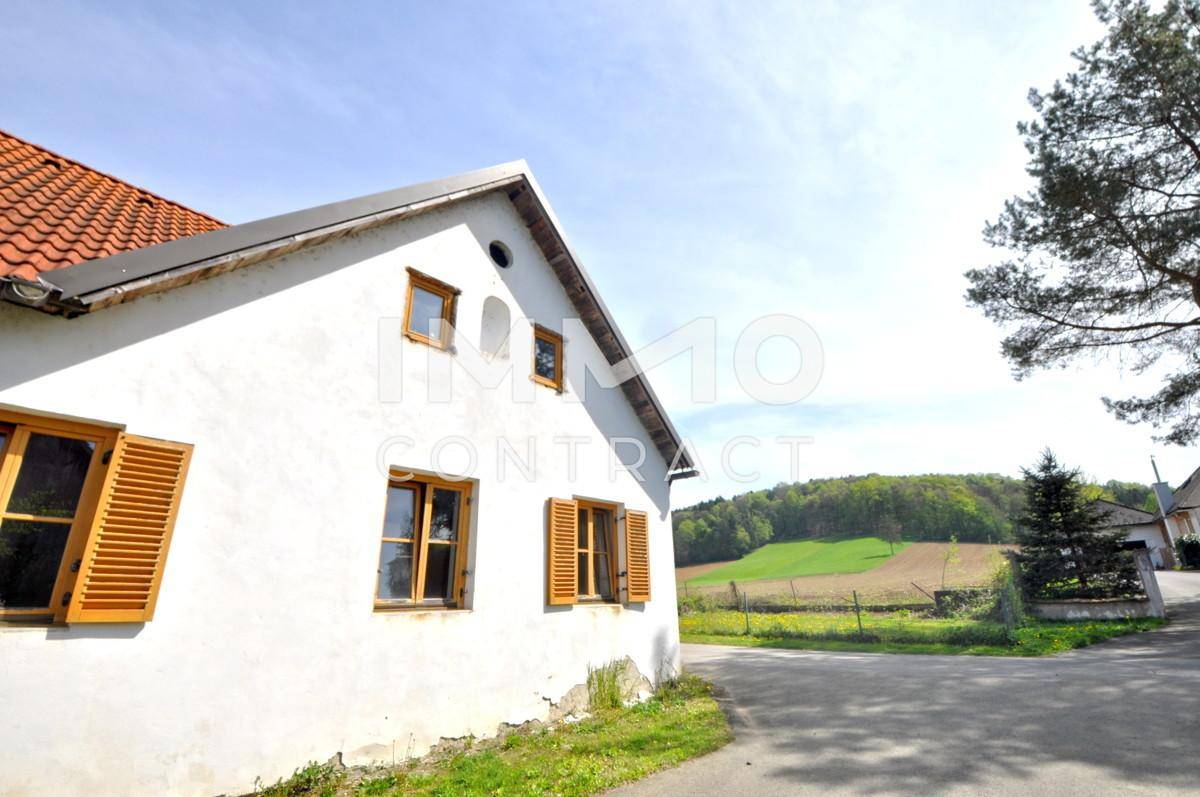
(51, 477)
(545, 359)
(444, 523)
(425, 315)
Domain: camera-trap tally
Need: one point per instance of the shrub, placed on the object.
(1187, 550)
(702, 602)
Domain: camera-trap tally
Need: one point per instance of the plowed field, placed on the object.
(891, 582)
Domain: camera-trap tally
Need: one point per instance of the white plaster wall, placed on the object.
(264, 652)
(1150, 535)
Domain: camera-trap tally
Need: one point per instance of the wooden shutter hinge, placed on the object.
(107, 458)
(66, 601)
(75, 565)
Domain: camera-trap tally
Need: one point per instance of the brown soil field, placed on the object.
(891, 582)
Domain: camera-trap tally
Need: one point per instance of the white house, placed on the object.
(245, 524)
(1142, 529)
(1181, 506)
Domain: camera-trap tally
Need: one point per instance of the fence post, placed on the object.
(858, 614)
(795, 600)
(733, 586)
(746, 604)
(1141, 560)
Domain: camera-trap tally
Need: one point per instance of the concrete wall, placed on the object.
(265, 651)
(1091, 610)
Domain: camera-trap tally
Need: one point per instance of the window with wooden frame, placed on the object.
(86, 515)
(596, 550)
(423, 552)
(547, 358)
(582, 553)
(429, 310)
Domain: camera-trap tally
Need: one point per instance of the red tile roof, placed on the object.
(55, 212)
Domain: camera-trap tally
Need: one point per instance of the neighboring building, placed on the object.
(1182, 508)
(327, 588)
(1142, 530)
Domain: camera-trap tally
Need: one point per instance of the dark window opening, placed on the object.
(500, 254)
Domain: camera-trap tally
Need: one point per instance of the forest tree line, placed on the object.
(974, 508)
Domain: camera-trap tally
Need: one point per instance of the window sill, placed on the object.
(598, 603)
(45, 624)
(416, 337)
(555, 386)
(389, 608)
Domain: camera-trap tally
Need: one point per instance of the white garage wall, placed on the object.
(264, 651)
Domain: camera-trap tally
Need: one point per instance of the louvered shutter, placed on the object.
(126, 549)
(637, 557)
(562, 563)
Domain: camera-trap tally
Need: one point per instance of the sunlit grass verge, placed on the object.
(614, 746)
(901, 633)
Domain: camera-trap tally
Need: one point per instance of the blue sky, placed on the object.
(834, 161)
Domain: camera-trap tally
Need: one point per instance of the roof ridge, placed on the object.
(1123, 506)
(136, 187)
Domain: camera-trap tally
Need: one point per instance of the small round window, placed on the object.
(501, 256)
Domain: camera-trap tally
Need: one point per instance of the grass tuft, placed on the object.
(313, 779)
(604, 687)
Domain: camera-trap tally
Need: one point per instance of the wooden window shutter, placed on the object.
(126, 549)
(637, 557)
(562, 563)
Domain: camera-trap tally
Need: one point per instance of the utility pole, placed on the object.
(1160, 489)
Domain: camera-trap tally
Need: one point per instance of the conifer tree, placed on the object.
(1066, 549)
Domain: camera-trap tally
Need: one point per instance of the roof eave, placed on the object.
(96, 284)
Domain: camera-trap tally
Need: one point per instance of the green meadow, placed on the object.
(802, 558)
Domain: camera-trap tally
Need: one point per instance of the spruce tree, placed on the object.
(1066, 549)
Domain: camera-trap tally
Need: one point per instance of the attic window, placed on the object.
(145, 200)
(500, 254)
(53, 163)
(429, 310)
(547, 358)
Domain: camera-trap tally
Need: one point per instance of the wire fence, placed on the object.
(735, 595)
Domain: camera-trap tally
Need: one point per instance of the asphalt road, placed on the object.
(1122, 717)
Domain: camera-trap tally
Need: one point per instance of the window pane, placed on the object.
(400, 516)
(439, 572)
(601, 521)
(443, 525)
(30, 554)
(51, 476)
(603, 576)
(395, 571)
(545, 358)
(583, 532)
(425, 317)
(583, 574)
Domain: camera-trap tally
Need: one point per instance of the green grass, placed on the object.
(612, 747)
(901, 633)
(802, 558)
